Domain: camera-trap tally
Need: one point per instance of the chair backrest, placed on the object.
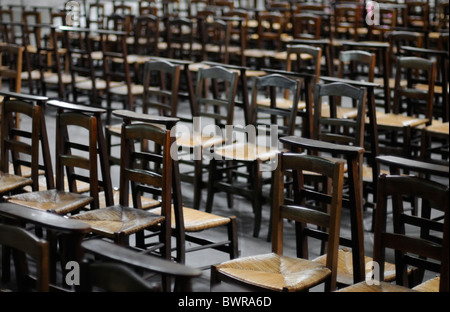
(400, 38)
(417, 101)
(11, 61)
(432, 243)
(298, 211)
(311, 66)
(330, 128)
(146, 34)
(264, 118)
(79, 158)
(161, 84)
(25, 145)
(306, 26)
(215, 95)
(96, 15)
(25, 244)
(357, 65)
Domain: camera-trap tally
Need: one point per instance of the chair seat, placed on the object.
(380, 81)
(146, 202)
(9, 182)
(283, 56)
(382, 287)
(196, 220)
(52, 78)
(438, 127)
(246, 152)
(424, 87)
(58, 201)
(399, 120)
(275, 272)
(137, 59)
(341, 112)
(431, 285)
(258, 53)
(204, 141)
(114, 219)
(345, 267)
(82, 187)
(100, 84)
(282, 103)
(25, 170)
(35, 74)
(123, 90)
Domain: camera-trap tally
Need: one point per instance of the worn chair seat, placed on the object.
(58, 201)
(438, 127)
(123, 90)
(246, 152)
(282, 103)
(398, 120)
(35, 74)
(111, 220)
(277, 273)
(258, 53)
(82, 187)
(204, 141)
(283, 56)
(380, 81)
(196, 220)
(345, 267)
(52, 78)
(9, 182)
(146, 201)
(100, 84)
(431, 285)
(341, 112)
(382, 287)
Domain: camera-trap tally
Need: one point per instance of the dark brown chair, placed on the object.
(76, 162)
(11, 58)
(23, 147)
(215, 94)
(425, 251)
(216, 40)
(347, 20)
(412, 107)
(114, 269)
(273, 271)
(254, 151)
(119, 222)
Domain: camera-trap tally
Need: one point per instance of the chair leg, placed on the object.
(210, 187)
(198, 181)
(257, 196)
(233, 238)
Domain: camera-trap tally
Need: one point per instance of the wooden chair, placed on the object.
(11, 57)
(119, 222)
(216, 41)
(255, 151)
(306, 26)
(416, 105)
(238, 20)
(416, 15)
(121, 83)
(273, 271)
(329, 141)
(96, 16)
(25, 244)
(262, 45)
(23, 146)
(63, 237)
(214, 105)
(347, 19)
(85, 80)
(410, 250)
(76, 162)
(180, 34)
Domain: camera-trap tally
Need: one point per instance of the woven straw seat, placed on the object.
(246, 152)
(282, 103)
(146, 201)
(10, 182)
(58, 201)
(196, 220)
(382, 287)
(108, 221)
(396, 120)
(345, 267)
(275, 272)
(204, 141)
(431, 285)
